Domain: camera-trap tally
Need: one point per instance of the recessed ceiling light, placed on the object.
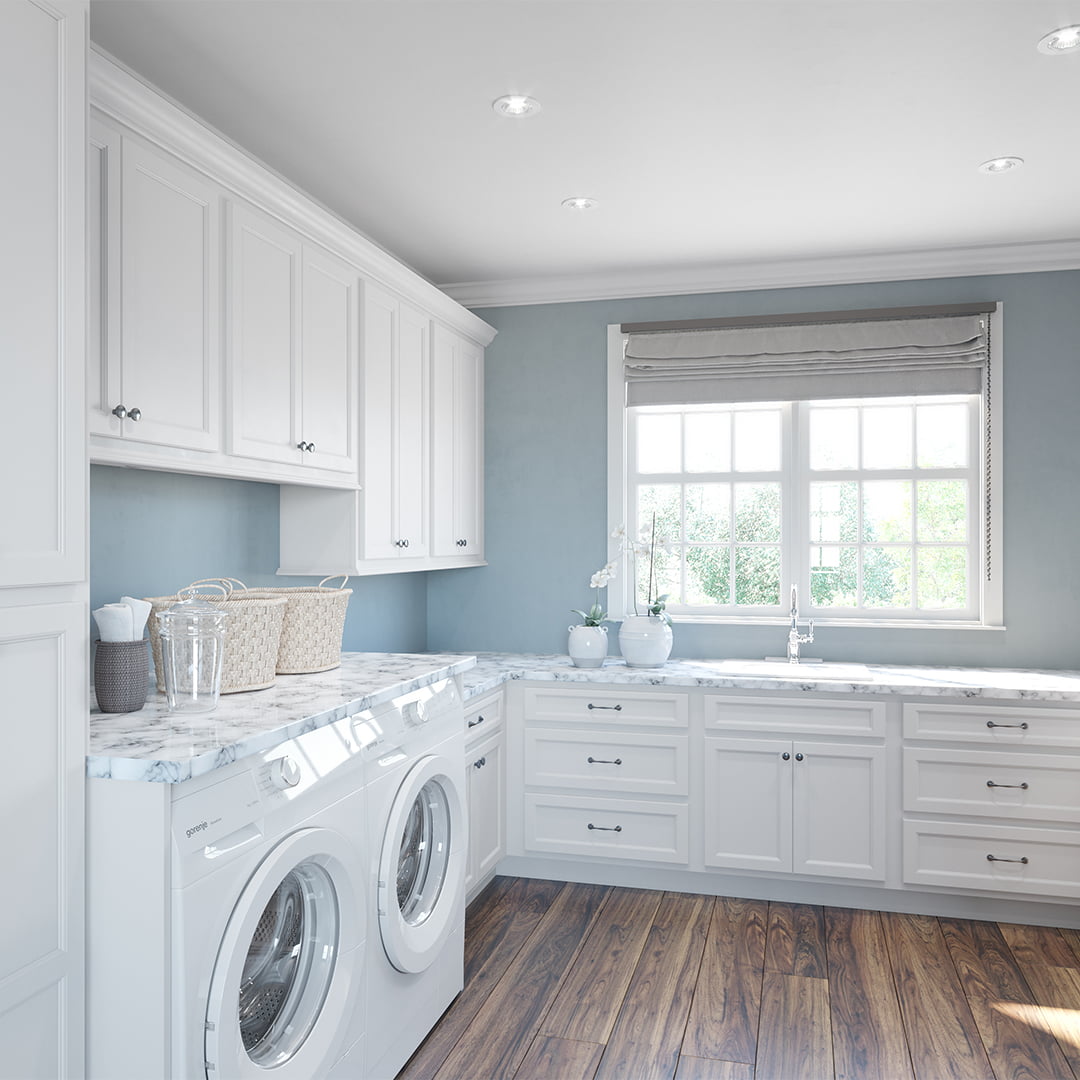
(1001, 165)
(580, 202)
(516, 105)
(1064, 40)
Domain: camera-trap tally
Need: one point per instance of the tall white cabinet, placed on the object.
(43, 562)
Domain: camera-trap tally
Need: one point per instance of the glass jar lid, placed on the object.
(192, 615)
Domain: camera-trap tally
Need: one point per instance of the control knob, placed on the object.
(284, 773)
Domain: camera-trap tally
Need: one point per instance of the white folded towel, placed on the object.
(115, 622)
(140, 612)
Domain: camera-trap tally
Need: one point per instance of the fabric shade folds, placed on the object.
(940, 353)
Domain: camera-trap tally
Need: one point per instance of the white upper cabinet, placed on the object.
(457, 463)
(396, 395)
(155, 281)
(292, 348)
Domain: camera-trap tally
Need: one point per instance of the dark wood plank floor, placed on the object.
(584, 982)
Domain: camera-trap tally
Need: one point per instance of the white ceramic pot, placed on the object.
(645, 640)
(587, 645)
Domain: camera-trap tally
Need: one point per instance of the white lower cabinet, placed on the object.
(795, 806)
(485, 766)
(992, 798)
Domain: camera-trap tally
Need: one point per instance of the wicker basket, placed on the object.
(252, 633)
(313, 627)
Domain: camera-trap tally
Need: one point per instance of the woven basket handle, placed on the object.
(198, 588)
(334, 577)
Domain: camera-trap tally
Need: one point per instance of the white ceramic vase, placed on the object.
(645, 640)
(588, 645)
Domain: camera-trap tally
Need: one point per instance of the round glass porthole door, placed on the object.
(422, 866)
(283, 988)
(289, 965)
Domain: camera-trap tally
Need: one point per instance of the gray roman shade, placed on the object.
(883, 353)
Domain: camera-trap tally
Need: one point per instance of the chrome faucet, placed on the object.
(794, 638)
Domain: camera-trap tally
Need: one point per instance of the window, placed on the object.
(878, 508)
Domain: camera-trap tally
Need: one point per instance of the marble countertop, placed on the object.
(158, 746)
(493, 669)
(162, 747)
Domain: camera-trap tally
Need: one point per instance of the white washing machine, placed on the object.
(415, 782)
(261, 970)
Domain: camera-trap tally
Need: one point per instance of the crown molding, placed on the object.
(779, 274)
(126, 98)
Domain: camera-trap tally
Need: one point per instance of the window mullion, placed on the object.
(795, 489)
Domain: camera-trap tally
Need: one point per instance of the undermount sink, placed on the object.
(804, 672)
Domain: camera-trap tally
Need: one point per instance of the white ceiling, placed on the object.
(727, 141)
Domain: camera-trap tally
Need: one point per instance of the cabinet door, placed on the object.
(487, 799)
(328, 349)
(169, 305)
(457, 446)
(839, 803)
(411, 438)
(379, 532)
(264, 347)
(748, 803)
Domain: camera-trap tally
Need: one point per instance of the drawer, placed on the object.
(607, 828)
(734, 713)
(483, 716)
(605, 704)
(957, 855)
(988, 783)
(634, 762)
(993, 725)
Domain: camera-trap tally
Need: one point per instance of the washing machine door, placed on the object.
(284, 987)
(422, 865)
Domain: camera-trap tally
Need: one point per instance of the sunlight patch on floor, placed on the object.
(1063, 1024)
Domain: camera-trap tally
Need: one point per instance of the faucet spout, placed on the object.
(795, 639)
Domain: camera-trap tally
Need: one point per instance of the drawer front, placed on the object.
(634, 762)
(956, 855)
(607, 828)
(724, 713)
(483, 717)
(993, 725)
(605, 704)
(987, 783)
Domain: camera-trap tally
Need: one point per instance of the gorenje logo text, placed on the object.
(197, 828)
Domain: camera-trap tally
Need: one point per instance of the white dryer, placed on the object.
(415, 782)
(267, 915)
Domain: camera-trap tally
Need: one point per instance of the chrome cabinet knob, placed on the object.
(311, 448)
(122, 413)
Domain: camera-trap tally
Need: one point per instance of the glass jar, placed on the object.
(192, 637)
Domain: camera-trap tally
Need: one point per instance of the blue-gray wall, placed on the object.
(151, 533)
(546, 482)
(546, 478)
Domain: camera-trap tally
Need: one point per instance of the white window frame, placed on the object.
(987, 514)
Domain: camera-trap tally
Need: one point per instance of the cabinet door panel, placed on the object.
(411, 441)
(487, 799)
(264, 373)
(748, 803)
(170, 301)
(380, 348)
(43, 283)
(839, 803)
(328, 409)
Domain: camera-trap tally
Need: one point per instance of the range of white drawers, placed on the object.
(587, 750)
(1008, 779)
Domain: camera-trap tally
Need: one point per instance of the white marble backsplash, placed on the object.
(158, 746)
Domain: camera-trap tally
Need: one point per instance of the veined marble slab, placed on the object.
(156, 745)
(162, 747)
(493, 669)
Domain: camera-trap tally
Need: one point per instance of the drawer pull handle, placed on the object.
(1022, 787)
(480, 764)
(474, 723)
(613, 708)
(605, 828)
(786, 756)
(603, 761)
(993, 858)
(1023, 726)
